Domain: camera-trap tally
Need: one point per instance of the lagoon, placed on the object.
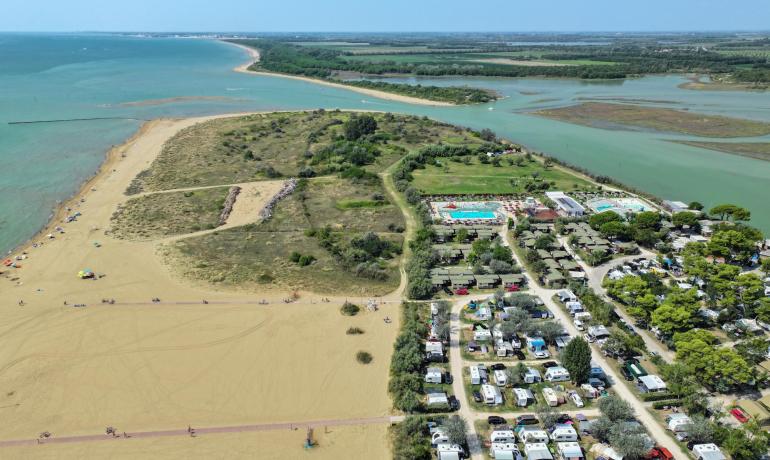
(125, 80)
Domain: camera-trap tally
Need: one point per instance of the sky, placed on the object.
(383, 16)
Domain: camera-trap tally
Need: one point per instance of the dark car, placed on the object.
(527, 420)
(548, 364)
(477, 397)
(497, 367)
(563, 418)
(626, 375)
(454, 404)
(519, 355)
(495, 420)
(448, 378)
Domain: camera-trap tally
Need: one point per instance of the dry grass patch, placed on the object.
(609, 116)
(166, 214)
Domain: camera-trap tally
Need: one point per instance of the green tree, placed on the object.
(576, 358)
(681, 219)
(695, 205)
(727, 211)
(647, 220)
(597, 220)
(456, 429)
(548, 416)
(358, 126)
(669, 319)
(614, 230)
(616, 409)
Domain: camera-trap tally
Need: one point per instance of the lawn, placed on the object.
(478, 178)
(166, 214)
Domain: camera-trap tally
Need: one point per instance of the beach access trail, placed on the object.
(239, 359)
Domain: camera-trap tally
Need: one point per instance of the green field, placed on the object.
(166, 214)
(477, 178)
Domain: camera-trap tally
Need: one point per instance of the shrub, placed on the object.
(354, 331)
(364, 357)
(669, 403)
(349, 309)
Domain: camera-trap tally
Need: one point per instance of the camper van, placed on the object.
(491, 395)
(564, 433)
(550, 397)
(501, 378)
(523, 397)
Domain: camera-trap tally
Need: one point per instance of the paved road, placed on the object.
(201, 431)
(655, 429)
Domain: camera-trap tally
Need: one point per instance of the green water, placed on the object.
(45, 77)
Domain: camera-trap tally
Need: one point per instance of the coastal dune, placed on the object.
(239, 358)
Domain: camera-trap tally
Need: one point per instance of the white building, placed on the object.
(566, 205)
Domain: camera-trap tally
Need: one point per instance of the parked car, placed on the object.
(564, 418)
(579, 325)
(541, 354)
(596, 383)
(527, 420)
(548, 364)
(577, 399)
(520, 355)
(739, 415)
(495, 420)
(659, 453)
(477, 397)
(497, 367)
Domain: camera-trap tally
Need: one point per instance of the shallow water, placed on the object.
(124, 79)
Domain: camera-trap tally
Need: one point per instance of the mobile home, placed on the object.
(491, 395)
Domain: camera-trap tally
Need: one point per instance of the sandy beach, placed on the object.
(140, 365)
(254, 57)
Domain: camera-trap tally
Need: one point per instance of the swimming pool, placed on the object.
(459, 215)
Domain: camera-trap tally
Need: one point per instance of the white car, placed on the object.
(541, 354)
(577, 400)
(579, 325)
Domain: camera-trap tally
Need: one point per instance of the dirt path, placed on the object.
(249, 203)
(411, 228)
(195, 431)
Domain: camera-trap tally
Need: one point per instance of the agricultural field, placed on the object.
(627, 116)
(451, 177)
(166, 214)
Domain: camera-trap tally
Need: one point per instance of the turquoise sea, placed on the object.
(125, 80)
